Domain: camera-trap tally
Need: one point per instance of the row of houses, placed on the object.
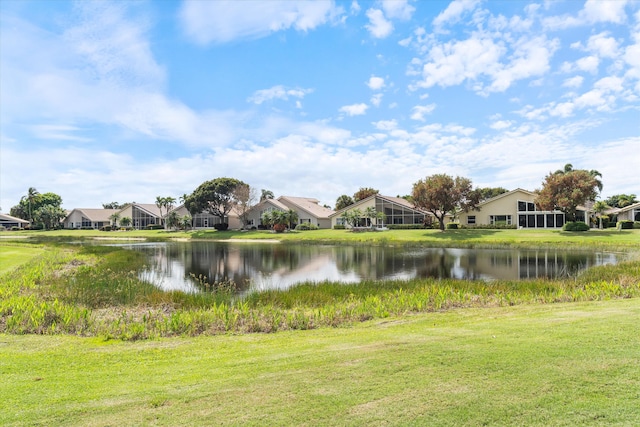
(514, 208)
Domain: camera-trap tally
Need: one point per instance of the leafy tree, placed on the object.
(363, 193)
(487, 193)
(266, 194)
(112, 205)
(568, 169)
(246, 199)
(217, 197)
(599, 207)
(566, 190)
(343, 201)
(125, 221)
(441, 193)
(33, 201)
(621, 200)
(49, 216)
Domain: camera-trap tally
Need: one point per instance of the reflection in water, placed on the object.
(269, 266)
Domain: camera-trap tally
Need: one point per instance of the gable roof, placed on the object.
(508, 193)
(309, 205)
(150, 208)
(396, 200)
(12, 219)
(94, 215)
(624, 209)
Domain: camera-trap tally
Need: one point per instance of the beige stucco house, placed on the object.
(93, 218)
(8, 221)
(628, 213)
(516, 208)
(308, 209)
(206, 220)
(396, 210)
(142, 214)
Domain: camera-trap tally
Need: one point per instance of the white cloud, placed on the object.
(354, 109)
(277, 92)
(603, 45)
(355, 7)
(375, 83)
(378, 25)
(376, 99)
(386, 125)
(594, 11)
(588, 64)
(222, 21)
(573, 82)
(398, 9)
(419, 111)
(530, 58)
(453, 62)
(454, 12)
(501, 124)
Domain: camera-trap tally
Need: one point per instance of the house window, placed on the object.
(471, 219)
(500, 219)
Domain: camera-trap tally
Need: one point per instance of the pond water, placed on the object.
(177, 265)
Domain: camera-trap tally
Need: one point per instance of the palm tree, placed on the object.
(599, 207)
(266, 194)
(185, 222)
(114, 218)
(292, 218)
(32, 193)
(173, 219)
(370, 213)
(125, 222)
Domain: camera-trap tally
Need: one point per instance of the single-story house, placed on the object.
(308, 210)
(206, 220)
(8, 221)
(94, 218)
(141, 214)
(396, 210)
(628, 213)
(516, 207)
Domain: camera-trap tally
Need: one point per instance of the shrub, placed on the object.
(306, 226)
(105, 228)
(575, 226)
(625, 225)
(451, 226)
(154, 227)
(406, 226)
(14, 228)
(221, 226)
(636, 224)
(338, 227)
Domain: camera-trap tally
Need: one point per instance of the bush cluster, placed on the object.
(625, 225)
(154, 227)
(338, 227)
(221, 226)
(406, 226)
(490, 227)
(452, 226)
(575, 226)
(105, 228)
(306, 226)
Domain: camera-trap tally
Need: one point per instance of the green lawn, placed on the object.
(535, 365)
(14, 255)
(594, 237)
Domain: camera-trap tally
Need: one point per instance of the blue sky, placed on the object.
(125, 101)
